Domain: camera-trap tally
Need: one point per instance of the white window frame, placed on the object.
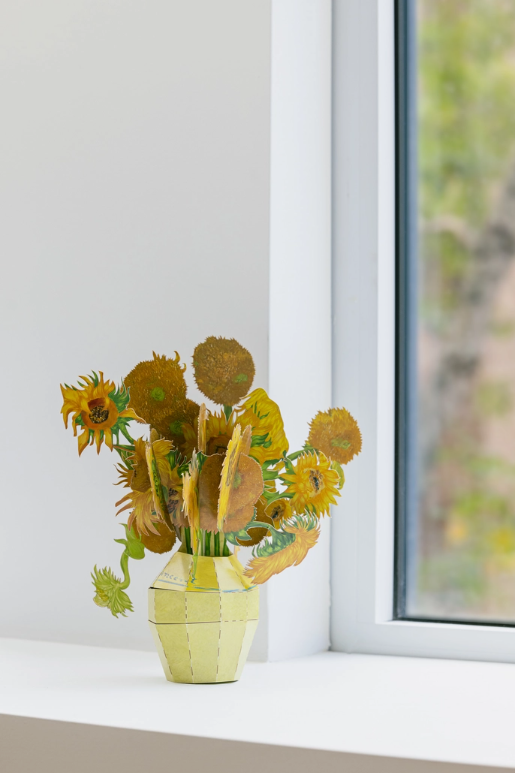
(363, 529)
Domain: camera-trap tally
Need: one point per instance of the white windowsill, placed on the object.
(386, 707)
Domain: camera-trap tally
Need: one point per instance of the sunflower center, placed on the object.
(241, 378)
(158, 394)
(276, 512)
(340, 442)
(176, 428)
(99, 414)
(140, 478)
(317, 480)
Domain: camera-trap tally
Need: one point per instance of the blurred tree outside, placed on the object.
(466, 339)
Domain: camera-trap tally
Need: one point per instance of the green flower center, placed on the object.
(241, 378)
(99, 414)
(176, 427)
(340, 442)
(158, 394)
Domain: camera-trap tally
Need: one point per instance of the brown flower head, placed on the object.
(257, 534)
(224, 370)
(209, 490)
(170, 422)
(246, 490)
(155, 386)
(336, 433)
(158, 543)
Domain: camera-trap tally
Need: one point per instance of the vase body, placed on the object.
(203, 614)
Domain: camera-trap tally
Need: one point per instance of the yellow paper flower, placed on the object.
(336, 434)
(264, 417)
(313, 483)
(155, 386)
(190, 494)
(240, 479)
(218, 431)
(229, 469)
(140, 500)
(288, 548)
(224, 370)
(99, 408)
(279, 511)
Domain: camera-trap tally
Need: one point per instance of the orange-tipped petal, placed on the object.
(130, 413)
(83, 440)
(108, 439)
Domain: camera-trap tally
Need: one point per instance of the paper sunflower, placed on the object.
(162, 542)
(99, 408)
(224, 370)
(312, 484)
(264, 417)
(286, 548)
(229, 488)
(336, 433)
(190, 495)
(279, 511)
(109, 592)
(218, 432)
(253, 536)
(136, 475)
(155, 386)
(174, 422)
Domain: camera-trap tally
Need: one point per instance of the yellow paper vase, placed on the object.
(203, 614)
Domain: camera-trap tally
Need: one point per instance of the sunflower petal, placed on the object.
(83, 440)
(229, 468)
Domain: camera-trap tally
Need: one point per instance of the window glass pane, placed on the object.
(460, 561)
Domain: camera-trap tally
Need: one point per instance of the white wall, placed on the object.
(134, 192)
(156, 158)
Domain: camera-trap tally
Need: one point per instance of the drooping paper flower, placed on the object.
(109, 593)
(285, 548)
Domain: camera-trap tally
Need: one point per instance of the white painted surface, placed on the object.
(300, 286)
(134, 191)
(364, 342)
(396, 707)
(141, 211)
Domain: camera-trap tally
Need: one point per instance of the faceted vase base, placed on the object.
(203, 614)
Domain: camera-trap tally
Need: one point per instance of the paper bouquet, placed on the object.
(213, 480)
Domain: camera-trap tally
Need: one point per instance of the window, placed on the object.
(456, 296)
(397, 586)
